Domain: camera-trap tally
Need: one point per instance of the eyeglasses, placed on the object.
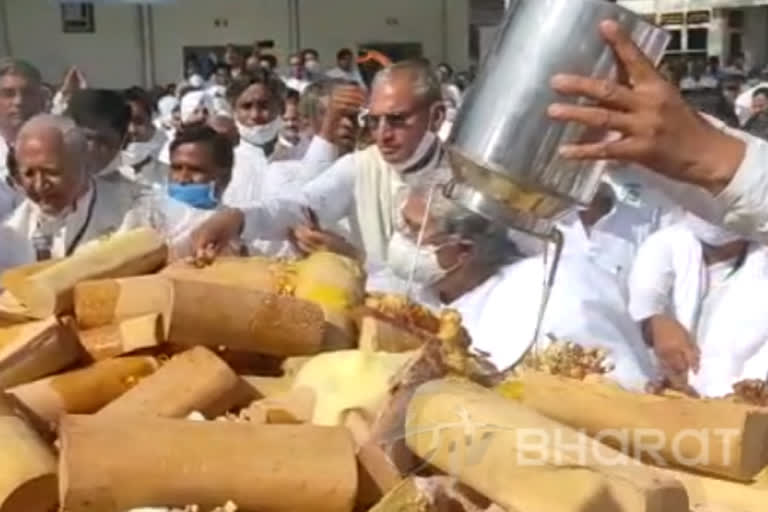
(394, 120)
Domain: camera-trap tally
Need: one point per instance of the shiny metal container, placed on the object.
(503, 147)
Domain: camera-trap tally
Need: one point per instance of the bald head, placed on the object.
(51, 162)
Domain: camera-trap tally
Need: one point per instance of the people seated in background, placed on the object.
(699, 293)
(140, 156)
(470, 264)
(345, 68)
(21, 98)
(103, 116)
(698, 78)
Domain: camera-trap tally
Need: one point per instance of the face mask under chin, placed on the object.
(262, 134)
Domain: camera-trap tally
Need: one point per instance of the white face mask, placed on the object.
(260, 134)
(312, 65)
(401, 255)
(427, 141)
(137, 152)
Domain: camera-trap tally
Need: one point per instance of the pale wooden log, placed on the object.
(113, 466)
(255, 273)
(265, 387)
(337, 285)
(475, 434)
(27, 465)
(33, 350)
(709, 494)
(105, 302)
(379, 335)
(248, 320)
(195, 380)
(83, 391)
(740, 454)
(128, 336)
(49, 291)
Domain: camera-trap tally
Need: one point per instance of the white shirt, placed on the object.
(612, 242)
(350, 76)
(297, 84)
(586, 306)
(689, 83)
(111, 204)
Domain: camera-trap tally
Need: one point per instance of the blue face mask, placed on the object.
(197, 195)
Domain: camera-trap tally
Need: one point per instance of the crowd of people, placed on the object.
(666, 268)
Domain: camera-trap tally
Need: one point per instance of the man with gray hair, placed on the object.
(405, 110)
(472, 265)
(21, 97)
(66, 206)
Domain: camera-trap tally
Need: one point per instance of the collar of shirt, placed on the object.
(61, 227)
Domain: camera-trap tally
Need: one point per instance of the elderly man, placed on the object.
(404, 113)
(471, 265)
(21, 97)
(699, 291)
(66, 206)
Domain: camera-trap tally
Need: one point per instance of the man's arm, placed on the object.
(662, 133)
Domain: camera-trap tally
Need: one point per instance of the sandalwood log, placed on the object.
(49, 291)
(485, 440)
(240, 319)
(108, 301)
(128, 336)
(36, 349)
(195, 380)
(27, 465)
(83, 391)
(255, 273)
(710, 436)
(709, 494)
(292, 407)
(265, 387)
(337, 285)
(113, 466)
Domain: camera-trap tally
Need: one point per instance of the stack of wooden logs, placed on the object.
(305, 405)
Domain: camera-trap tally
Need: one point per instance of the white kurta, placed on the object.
(612, 242)
(112, 204)
(586, 307)
(723, 311)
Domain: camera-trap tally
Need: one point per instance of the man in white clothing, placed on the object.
(345, 68)
(104, 117)
(21, 97)
(698, 292)
(145, 141)
(405, 111)
(470, 264)
(66, 206)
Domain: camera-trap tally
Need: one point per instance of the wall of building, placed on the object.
(756, 35)
(110, 57)
(194, 24)
(113, 56)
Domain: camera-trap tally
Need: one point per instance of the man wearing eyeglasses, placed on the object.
(21, 97)
(405, 111)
